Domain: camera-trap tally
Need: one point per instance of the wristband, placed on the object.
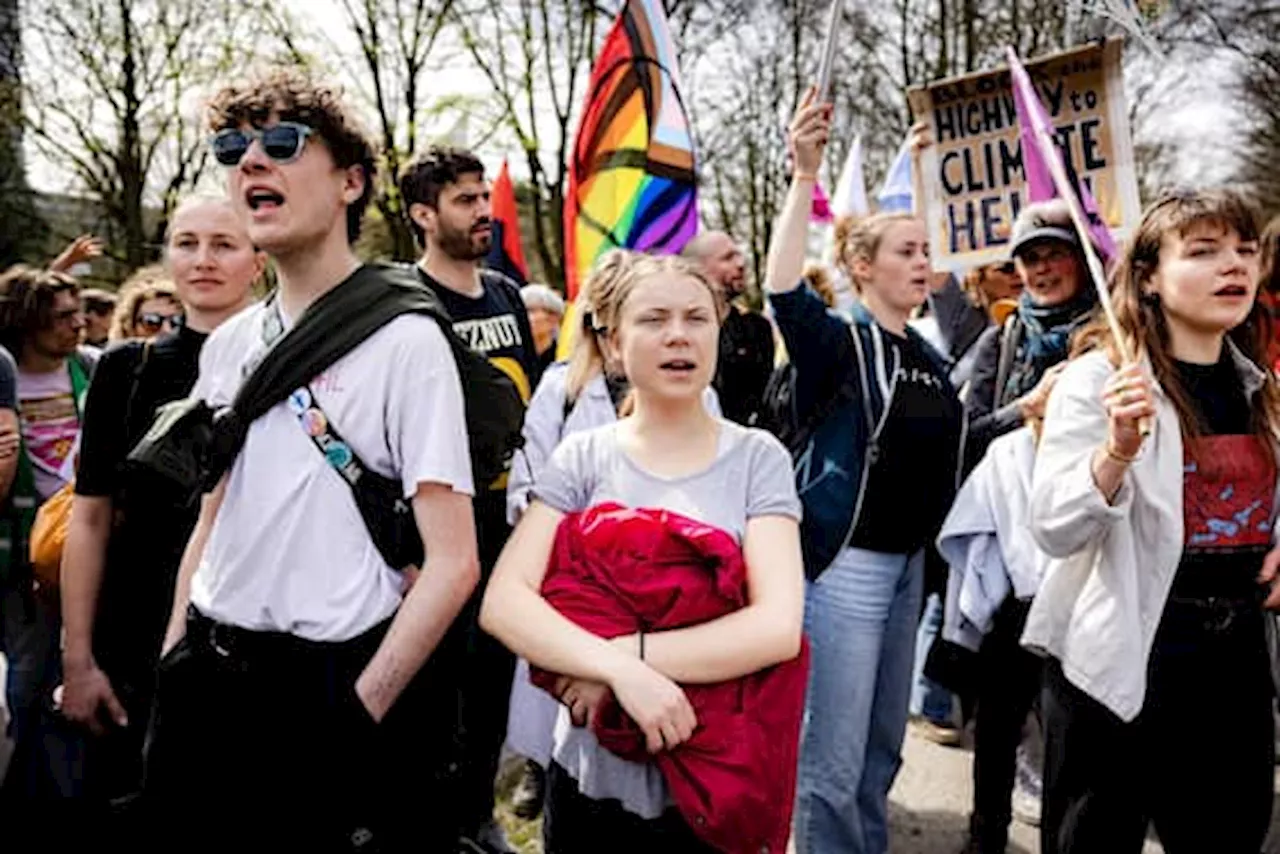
(805, 176)
(1117, 456)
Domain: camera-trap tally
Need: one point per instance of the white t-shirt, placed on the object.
(288, 551)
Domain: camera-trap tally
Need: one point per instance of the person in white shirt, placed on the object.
(287, 703)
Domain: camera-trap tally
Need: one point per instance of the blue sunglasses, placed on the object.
(283, 142)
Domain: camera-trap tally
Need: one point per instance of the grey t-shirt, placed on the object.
(751, 476)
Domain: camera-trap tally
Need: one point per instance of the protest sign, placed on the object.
(974, 184)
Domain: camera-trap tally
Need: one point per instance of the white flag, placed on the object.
(850, 197)
(896, 192)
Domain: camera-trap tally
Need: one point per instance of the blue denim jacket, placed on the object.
(834, 357)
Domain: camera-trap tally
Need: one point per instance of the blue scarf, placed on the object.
(1046, 338)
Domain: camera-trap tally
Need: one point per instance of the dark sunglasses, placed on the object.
(283, 142)
(1008, 268)
(154, 322)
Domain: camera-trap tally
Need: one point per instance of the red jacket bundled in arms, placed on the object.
(615, 571)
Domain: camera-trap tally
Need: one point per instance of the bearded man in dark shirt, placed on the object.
(746, 338)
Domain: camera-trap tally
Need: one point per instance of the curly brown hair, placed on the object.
(27, 296)
(1142, 319)
(146, 283)
(294, 95)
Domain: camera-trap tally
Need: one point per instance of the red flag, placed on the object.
(506, 255)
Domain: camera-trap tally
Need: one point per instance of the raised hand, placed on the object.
(809, 133)
(1130, 401)
(84, 248)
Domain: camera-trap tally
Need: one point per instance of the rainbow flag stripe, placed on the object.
(632, 172)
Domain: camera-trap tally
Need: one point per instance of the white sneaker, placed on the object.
(1026, 806)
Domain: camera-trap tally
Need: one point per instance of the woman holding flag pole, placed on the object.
(876, 473)
(1154, 496)
(1157, 699)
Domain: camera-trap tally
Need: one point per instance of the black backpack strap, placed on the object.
(138, 371)
(333, 326)
(380, 500)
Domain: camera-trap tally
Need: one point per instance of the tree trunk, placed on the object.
(132, 178)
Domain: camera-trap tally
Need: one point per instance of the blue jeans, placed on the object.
(860, 616)
(47, 751)
(928, 698)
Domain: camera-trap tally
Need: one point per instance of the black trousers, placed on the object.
(575, 824)
(1009, 679)
(259, 742)
(1198, 762)
(482, 671)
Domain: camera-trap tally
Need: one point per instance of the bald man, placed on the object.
(746, 339)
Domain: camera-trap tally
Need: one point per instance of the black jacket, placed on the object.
(991, 411)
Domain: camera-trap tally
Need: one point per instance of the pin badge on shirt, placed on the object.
(314, 422)
(338, 455)
(299, 401)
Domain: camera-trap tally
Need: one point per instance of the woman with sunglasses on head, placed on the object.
(147, 305)
(1154, 497)
(126, 536)
(1017, 364)
(993, 286)
(876, 474)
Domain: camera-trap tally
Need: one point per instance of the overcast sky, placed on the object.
(1197, 123)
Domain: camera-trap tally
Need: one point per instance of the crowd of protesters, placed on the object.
(973, 508)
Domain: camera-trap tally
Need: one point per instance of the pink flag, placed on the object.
(1040, 187)
(821, 210)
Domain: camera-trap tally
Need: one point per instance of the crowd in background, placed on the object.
(734, 554)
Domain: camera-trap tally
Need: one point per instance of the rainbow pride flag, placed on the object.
(632, 170)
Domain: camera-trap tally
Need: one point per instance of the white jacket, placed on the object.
(545, 424)
(986, 540)
(1111, 565)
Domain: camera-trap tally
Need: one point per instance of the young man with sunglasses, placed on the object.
(40, 324)
(288, 711)
(448, 203)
